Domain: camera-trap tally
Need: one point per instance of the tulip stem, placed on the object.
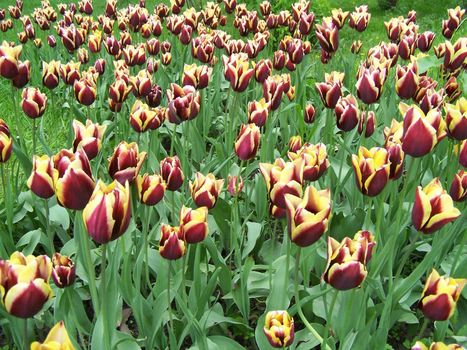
(146, 244)
(422, 330)
(169, 301)
(329, 316)
(307, 324)
(103, 297)
(49, 232)
(26, 342)
(287, 268)
(34, 136)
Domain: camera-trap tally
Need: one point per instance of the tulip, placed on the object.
(6, 142)
(330, 90)
(440, 295)
(370, 83)
(42, 179)
(153, 99)
(360, 18)
(308, 217)
(9, 56)
(50, 74)
(452, 89)
(196, 76)
(347, 261)
(356, 46)
(309, 113)
(51, 41)
(72, 37)
(315, 160)
(407, 46)
(433, 208)
(458, 191)
(258, 112)
(88, 137)
(172, 245)
(193, 224)
(421, 132)
(279, 60)
(425, 40)
(339, 17)
(141, 83)
(235, 185)
(23, 76)
(371, 170)
(456, 119)
(367, 120)
(151, 189)
(282, 178)
(274, 87)
(247, 143)
(437, 346)
(33, 103)
(64, 270)
(125, 162)
(237, 71)
(171, 172)
(279, 328)
(432, 100)
(70, 72)
(407, 81)
(425, 84)
(347, 113)
(328, 35)
(263, 70)
(56, 339)
(73, 181)
(119, 90)
(24, 284)
(108, 212)
(205, 190)
(85, 91)
(393, 28)
(183, 103)
(295, 143)
(143, 118)
(166, 58)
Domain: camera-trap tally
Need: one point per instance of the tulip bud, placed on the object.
(235, 185)
(258, 112)
(183, 103)
(88, 137)
(407, 81)
(425, 40)
(407, 46)
(295, 143)
(50, 74)
(356, 46)
(433, 208)
(24, 284)
(247, 143)
(370, 83)
(367, 121)
(456, 119)
(330, 89)
(108, 212)
(347, 261)
(371, 170)
(360, 18)
(309, 115)
(141, 83)
(51, 41)
(315, 160)
(56, 339)
(421, 132)
(9, 56)
(6, 142)
(328, 35)
(440, 295)
(237, 71)
(23, 76)
(33, 103)
(308, 217)
(125, 162)
(70, 72)
(119, 90)
(458, 189)
(452, 89)
(171, 172)
(151, 188)
(205, 190)
(193, 224)
(64, 270)
(263, 70)
(347, 113)
(279, 329)
(172, 245)
(42, 179)
(143, 118)
(85, 91)
(279, 60)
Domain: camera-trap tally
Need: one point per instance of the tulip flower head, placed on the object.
(64, 270)
(458, 189)
(371, 167)
(33, 103)
(315, 160)
(440, 296)
(171, 172)
(235, 185)
(456, 119)
(88, 137)
(56, 339)
(193, 224)
(6, 142)
(125, 162)
(172, 244)
(205, 190)
(279, 328)
(247, 143)
(330, 90)
(151, 188)
(433, 208)
(9, 56)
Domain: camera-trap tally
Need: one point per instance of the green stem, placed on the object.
(169, 300)
(49, 232)
(26, 335)
(33, 137)
(422, 330)
(103, 298)
(146, 244)
(329, 317)
(287, 268)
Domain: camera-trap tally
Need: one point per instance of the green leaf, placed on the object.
(59, 215)
(254, 231)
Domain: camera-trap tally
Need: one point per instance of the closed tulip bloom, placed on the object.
(151, 188)
(24, 284)
(51, 41)
(119, 90)
(42, 179)
(347, 261)
(407, 46)
(360, 18)
(258, 112)
(73, 181)
(141, 83)
(153, 99)
(85, 91)
(433, 208)
(143, 118)
(308, 217)
(263, 69)
(171, 172)
(421, 132)
(330, 90)
(33, 103)
(193, 224)
(183, 103)
(64, 270)
(432, 100)
(371, 168)
(282, 178)
(425, 40)
(279, 328)
(273, 89)
(235, 185)
(452, 89)
(108, 212)
(70, 72)
(9, 56)
(309, 113)
(57, 339)
(279, 60)
(356, 46)
(393, 28)
(458, 189)
(315, 160)
(125, 162)
(407, 80)
(196, 76)
(370, 83)
(205, 190)
(295, 143)
(172, 244)
(367, 121)
(88, 137)
(23, 76)
(6, 142)
(247, 143)
(347, 113)
(440, 296)
(327, 34)
(237, 71)
(166, 58)
(456, 119)
(50, 74)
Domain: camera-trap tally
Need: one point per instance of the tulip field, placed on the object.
(229, 174)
